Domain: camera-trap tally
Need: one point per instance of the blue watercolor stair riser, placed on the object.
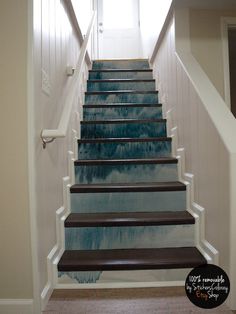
(125, 173)
(107, 75)
(87, 238)
(125, 112)
(125, 85)
(121, 64)
(124, 97)
(124, 129)
(113, 150)
(95, 238)
(128, 201)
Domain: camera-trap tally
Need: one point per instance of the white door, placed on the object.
(118, 29)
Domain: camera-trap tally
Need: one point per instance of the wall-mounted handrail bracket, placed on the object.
(46, 141)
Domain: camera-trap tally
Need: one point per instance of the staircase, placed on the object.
(128, 209)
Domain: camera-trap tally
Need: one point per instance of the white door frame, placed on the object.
(226, 23)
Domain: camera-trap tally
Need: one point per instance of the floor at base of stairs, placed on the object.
(126, 301)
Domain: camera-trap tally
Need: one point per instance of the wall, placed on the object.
(152, 17)
(205, 130)
(206, 43)
(15, 263)
(55, 47)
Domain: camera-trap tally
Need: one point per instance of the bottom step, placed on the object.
(130, 259)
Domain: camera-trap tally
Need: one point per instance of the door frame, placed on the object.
(226, 23)
(96, 28)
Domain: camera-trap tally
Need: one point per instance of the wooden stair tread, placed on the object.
(75, 220)
(120, 121)
(119, 80)
(121, 70)
(96, 162)
(121, 105)
(124, 139)
(122, 92)
(128, 187)
(130, 259)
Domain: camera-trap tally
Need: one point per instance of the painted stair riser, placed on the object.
(106, 98)
(128, 201)
(125, 173)
(122, 113)
(114, 86)
(131, 75)
(95, 238)
(163, 275)
(118, 130)
(121, 64)
(116, 150)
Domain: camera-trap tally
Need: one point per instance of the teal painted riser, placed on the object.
(112, 86)
(121, 64)
(125, 113)
(106, 98)
(95, 238)
(128, 201)
(126, 173)
(131, 130)
(100, 75)
(124, 150)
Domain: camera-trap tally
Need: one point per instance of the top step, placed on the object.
(133, 64)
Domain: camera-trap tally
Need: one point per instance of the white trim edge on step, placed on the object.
(207, 250)
(16, 306)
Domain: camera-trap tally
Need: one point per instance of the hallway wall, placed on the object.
(15, 263)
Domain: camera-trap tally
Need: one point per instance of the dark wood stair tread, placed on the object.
(119, 80)
(124, 139)
(128, 187)
(131, 259)
(121, 92)
(128, 219)
(121, 105)
(121, 70)
(120, 121)
(97, 162)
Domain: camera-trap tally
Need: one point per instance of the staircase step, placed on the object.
(116, 148)
(128, 219)
(120, 84)
(128, 187)
(122, 111)
(120, 74)
(130, 259)
(131, 96)
(123, 128)
(97, 162)
(121, 64)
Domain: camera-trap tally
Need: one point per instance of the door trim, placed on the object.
(226, 23)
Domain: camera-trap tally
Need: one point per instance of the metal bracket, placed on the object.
(46, 141)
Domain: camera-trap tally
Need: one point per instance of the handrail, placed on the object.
(73, 19)
(49, 135)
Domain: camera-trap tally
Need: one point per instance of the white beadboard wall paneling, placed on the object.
(68, 5)
(55, 46)
(206, 133)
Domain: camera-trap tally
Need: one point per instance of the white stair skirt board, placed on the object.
(16, 306)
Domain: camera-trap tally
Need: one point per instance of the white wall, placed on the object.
(206, 40)
(152, 17)
(15, 262)
(206, 130)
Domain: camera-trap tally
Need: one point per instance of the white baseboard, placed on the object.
(16, 306)
(122, 285)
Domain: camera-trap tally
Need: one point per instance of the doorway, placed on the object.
(118, 29)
